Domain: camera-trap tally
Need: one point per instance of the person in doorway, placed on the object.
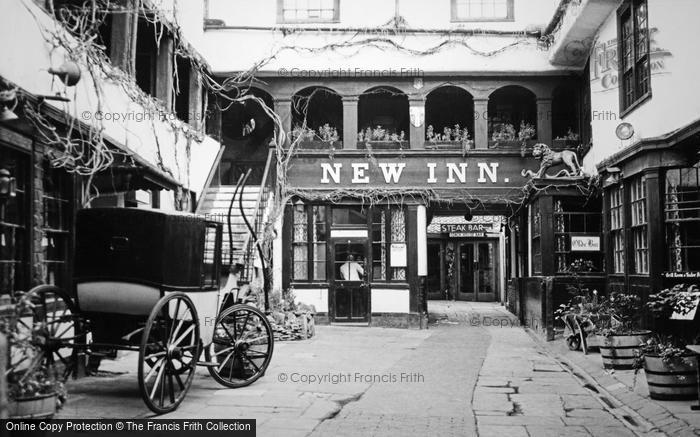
(351, 270)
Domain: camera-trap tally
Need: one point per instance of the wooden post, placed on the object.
(544, 121)
(123, 45)
(350, 127)
(481, 123)
(4, 352)
(164, 72)
(283, 108)
(417, 133)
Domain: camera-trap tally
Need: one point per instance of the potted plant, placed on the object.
(324, 137)
(568, 141)
(505, 136)
(622, 336)
(380, 138)
(33, 390)
(670, 368)
(450, 138)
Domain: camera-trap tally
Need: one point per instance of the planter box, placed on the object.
(619, 351)
(514, 144)
(35, 407)
(673, 381)
(383, 145)
(319, 145)
(447, 145)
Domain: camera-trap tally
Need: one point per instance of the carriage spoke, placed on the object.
(171, 386)
(223, 363)
(223, 351)
(257, 369)
(184, 334)
(158, 378)
(179, 381)
(158, 364)
(177, 311)
(245, 323)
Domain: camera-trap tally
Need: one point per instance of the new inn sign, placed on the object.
(431, 172)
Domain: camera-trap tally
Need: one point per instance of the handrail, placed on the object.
(210, 176)
(252, 240)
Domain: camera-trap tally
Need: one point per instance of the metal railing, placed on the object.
(250, 246)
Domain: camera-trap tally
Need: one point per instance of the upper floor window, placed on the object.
(295, 11)
(617, 228)
(633, 30)
(482, 10)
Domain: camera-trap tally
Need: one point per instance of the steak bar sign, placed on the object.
(413, 172)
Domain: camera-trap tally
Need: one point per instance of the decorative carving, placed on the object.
(549, 158)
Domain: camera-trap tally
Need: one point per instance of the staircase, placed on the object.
(238, 246)
(214, 205)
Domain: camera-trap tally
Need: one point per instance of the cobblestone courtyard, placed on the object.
(461, 377)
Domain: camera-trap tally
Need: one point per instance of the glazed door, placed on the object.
(350, 286)
(476, 280)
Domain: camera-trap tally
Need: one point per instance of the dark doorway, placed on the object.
(350, 291)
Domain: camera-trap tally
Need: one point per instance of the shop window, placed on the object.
(57, 224)
(638, 204)
(309, 243)
(14, 226)
(482, 10)
(617, 229)
(633, 46)
(574, 218)
(388, 236)
(349, 216)
(682, 209)
(301, 11)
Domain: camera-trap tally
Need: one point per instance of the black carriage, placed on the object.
(150, 281)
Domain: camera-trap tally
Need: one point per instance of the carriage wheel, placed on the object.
(573, 342)
(241, 346)
(52, 325)
(57, 326)
(169, 352)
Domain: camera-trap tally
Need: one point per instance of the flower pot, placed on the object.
(619, 351)
(34, 407)
(673, 381)
(558, 145)
(448, 145)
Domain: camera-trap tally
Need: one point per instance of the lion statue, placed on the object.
(549, 158)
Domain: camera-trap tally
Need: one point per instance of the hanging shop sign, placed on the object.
(437, 172)
(585, 243)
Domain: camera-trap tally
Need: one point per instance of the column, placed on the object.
(544, 121)
(416, 110)
(350, 126)
(196, 100)
(283, 108)
(481, 123)
(164, 72)
(656, 234)
(422, 260)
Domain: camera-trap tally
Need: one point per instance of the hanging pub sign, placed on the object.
(585, 243)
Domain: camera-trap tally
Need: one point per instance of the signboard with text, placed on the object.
(586, 243)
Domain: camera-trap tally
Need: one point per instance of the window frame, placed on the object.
(510, 15)
(628, 11)
(683, 249)
(616, 220)
(639, 229)
(309, 244)
(282, 20)
(387, 211)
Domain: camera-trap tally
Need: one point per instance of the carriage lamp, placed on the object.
(8, 185)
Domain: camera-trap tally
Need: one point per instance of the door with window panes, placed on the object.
(349, 294)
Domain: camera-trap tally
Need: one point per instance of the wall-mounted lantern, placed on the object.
(8, 185)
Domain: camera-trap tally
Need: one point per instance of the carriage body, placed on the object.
(127, 259)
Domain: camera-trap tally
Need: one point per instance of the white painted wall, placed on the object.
(462, 54)
(675, 98)
(390, 301)
(318, 297)
(26, 57)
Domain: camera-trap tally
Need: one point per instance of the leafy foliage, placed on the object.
(448, 134)
(680, 299)
(625, 314)
(670, 349)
